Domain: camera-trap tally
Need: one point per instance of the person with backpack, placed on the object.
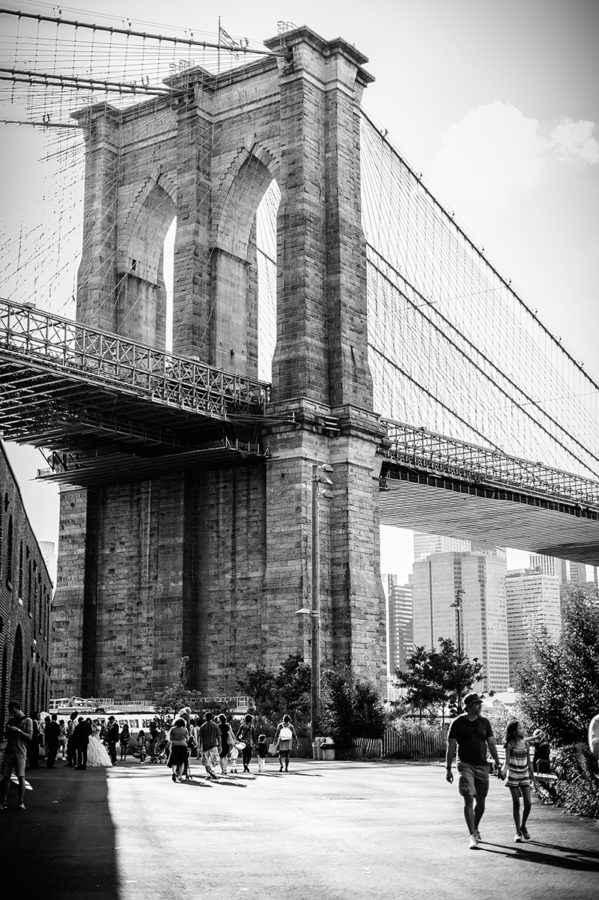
(284, 737)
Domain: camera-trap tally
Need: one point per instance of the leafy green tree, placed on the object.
(351, 707)
(455, 673)
(438, 677)
(559, 680)
(286, 690)
(176, 695)
(420, 681)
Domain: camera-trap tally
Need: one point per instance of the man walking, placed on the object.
(52, 737)
(19, 731)
(112, 738)
(71, 751)
(209, 744)
(472, 734)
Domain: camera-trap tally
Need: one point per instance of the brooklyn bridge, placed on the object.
(335, 346)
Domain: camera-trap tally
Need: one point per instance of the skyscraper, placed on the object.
(533, 602)
(400, 641)
(425, 544)
(478, 623)
(578, 573)
(550, 565)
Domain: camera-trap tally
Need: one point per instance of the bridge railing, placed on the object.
(69, 347)
(428, 450)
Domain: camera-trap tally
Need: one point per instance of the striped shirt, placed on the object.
(517, 772)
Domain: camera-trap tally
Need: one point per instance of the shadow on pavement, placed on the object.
(592, 853)
(63, 844)
(574, 859)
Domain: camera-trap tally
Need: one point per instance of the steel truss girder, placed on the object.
(438, 453)
(61, 348)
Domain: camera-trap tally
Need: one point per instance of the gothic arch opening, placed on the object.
(243, 273)
(16, 672)
(266, 245)
(141, 312)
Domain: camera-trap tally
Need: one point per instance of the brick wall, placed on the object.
(25, 600)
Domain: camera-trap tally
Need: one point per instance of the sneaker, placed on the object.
(518, 837)
(174, 777)
(473, 845)
(524, 833)
(477, 835)
(4, 806)
(21, 806)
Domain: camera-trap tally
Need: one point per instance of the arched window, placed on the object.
(21, 570)
(9, 552)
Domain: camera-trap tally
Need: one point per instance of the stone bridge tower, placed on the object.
(214, 564)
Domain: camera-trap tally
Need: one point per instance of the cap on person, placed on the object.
(469, 699)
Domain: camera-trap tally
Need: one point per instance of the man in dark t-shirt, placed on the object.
(471, 733)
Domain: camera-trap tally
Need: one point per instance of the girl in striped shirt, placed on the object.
(518, 768)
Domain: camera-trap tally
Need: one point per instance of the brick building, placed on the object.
(25, 598)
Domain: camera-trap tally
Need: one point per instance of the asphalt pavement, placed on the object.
(330, 830)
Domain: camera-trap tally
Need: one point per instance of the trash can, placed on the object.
(327, 749)
(316, 751)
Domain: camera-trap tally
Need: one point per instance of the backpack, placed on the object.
(285, 734)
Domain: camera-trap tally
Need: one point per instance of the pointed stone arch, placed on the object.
(157, 178)
(234, 273)
(141, 292)
(17, 674)
(252, 169)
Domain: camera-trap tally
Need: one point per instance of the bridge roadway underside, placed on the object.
(488, 513)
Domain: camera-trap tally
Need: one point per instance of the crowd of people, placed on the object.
(82, 742)
(218, 747)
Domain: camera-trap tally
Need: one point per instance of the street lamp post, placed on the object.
(317, 480)
(457, 605)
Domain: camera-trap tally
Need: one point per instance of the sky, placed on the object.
(496, 102)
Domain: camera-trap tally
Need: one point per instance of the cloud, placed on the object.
(495, 152)
(573, 142)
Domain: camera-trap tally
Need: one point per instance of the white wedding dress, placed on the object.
(97, 754)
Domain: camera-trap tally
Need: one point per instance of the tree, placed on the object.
(419, 679)
(351, 708)
(177, 695)
(454, 673)
(286, 690)
(559, 680)
(438, 677)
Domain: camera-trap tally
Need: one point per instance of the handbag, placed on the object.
(240, 745)
(272, 749)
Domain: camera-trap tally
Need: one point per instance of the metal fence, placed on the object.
(425, 743)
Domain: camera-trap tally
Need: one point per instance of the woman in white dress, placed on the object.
(97, 754)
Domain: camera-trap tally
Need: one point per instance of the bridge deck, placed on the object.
(82, 393)
(487, 512)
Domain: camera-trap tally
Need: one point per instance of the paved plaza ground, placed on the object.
(327, 830)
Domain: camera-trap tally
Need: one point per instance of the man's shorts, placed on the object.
(474, 780)
(14, 761)
(210, 758)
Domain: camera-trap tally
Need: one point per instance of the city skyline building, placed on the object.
(578, 573)
(478, 624)
(533, 603)
(425, 544)
(400, 638)
(550, 565)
